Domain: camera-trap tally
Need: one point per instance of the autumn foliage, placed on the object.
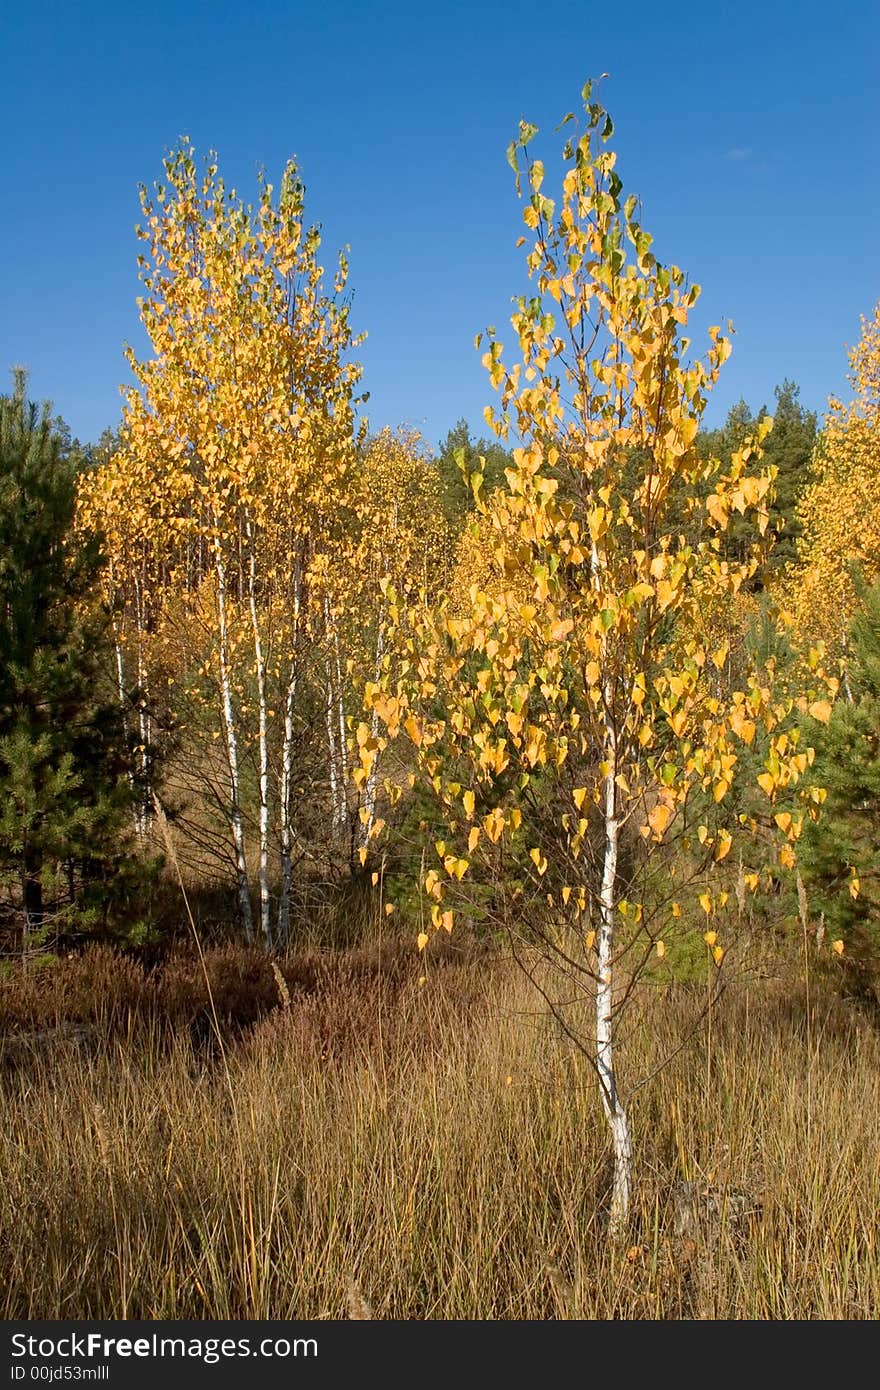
(571, 702)
(578, 696)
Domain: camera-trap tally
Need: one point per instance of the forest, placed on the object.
(439, 880)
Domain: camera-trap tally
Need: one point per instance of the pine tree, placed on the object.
(460, 456)
(841, 854)
(64, 790)
(789, 448)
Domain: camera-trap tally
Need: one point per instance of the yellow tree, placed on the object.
(401, 542)
(577, 699)
(840, 511)
(238, 437)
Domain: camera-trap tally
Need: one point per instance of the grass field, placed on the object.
(352, 1143)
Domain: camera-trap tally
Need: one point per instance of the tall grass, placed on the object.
(436, 1150)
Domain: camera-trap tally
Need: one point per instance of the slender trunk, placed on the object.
(847, 688)
(235, 817)
(139, 827)
(260, 666)
(373, 779)
(614, 1111)
(143, 730)
(287, 767)
(337, 784)
(31, 897)
(340, 716)
(331, 756)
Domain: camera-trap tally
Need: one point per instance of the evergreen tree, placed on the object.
(64, 785)
(459, 449)
(789, 446)
(841, 851)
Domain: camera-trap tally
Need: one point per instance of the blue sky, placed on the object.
(749, 130)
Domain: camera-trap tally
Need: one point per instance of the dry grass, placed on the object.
(371, 1147)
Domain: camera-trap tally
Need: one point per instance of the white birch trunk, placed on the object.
(287, 769)
(263, 740)
(614, 1111)
(373, 779)
(340, 716)
(235, 817)
(144, 731)
(337, 786)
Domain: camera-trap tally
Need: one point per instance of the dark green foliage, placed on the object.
(459, 449)
(789, 448)
(846, 838)
(65, 793)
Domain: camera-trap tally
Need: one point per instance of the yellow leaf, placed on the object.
(837, 947)
(473, 839)
(855, 886)
(722, 849)
(538, 860)
(821, 710)
(706, 902)
(767, 783)
(423, 940)
(389, 908)
(718, 954)
(710, 937)
(362, 856)
(589, 940)
(676, 909)
(659, 817)
(468, 801)
(660, 948)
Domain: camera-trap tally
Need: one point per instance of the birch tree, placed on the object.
(575, 699)
(239, 434)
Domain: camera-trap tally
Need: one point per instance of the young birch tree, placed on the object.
(240, 429)
(575, 700)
